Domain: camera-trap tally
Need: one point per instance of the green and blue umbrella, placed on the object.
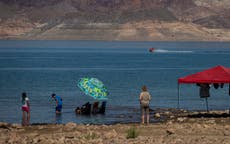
(93, 87)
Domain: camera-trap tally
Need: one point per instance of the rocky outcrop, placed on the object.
(109, 19)
(14, 27)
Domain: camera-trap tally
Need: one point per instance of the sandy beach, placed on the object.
(178, 127)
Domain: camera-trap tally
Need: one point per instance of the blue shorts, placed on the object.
(58, 108)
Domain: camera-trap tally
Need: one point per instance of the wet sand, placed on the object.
(178, 127)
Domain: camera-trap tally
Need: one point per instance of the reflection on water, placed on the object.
(58, 119)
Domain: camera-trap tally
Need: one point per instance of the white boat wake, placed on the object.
(170, 51)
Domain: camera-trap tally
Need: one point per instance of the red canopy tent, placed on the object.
(218, 74)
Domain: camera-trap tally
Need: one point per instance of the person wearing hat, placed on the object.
(58, 101)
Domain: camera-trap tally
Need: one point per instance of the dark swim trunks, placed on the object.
(59, 108)
(145, 109)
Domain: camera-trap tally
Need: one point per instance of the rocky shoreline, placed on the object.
(178, 126)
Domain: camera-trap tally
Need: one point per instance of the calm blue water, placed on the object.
(44, 67)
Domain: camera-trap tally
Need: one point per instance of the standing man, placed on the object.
(58, 101)
(145, 97)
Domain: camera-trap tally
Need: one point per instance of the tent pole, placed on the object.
(229, 94)
(206, 99)
(229, 89)
(178, 95)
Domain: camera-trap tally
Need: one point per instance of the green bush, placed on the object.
(90, 136)
(132, 133)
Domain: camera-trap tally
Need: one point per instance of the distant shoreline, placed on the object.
(18, 39)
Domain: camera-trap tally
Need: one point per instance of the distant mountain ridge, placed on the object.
(115, 19)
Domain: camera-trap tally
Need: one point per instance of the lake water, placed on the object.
(41, 68)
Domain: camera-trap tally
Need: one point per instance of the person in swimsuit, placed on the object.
(25, 110)
(58, 101)
(144, 98)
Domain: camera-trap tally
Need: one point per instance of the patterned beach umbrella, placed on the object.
(93, 87)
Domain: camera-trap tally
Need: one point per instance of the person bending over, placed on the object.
(58, 101)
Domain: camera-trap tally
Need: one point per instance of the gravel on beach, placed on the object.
(183, 128)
